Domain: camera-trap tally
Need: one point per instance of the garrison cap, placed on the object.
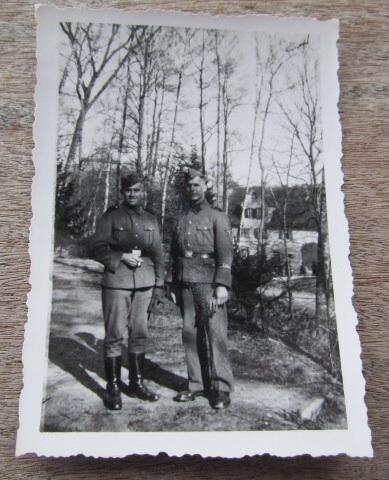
(131, 179)
(192, 173)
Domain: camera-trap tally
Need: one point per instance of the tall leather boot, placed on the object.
(113, 399)
(137, 388)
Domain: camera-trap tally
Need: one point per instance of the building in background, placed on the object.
(245, 211)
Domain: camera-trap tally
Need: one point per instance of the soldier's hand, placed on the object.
(157, 299)
(221, 295)
(220, 298)
(131, 260)
(170, 293)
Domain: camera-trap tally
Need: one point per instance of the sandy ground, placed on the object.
(273, 383)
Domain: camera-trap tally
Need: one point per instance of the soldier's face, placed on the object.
(133, 195)
(196, 189)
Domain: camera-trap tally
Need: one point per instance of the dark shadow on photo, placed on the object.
(84, 352)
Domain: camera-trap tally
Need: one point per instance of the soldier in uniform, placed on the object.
(200, 278)
(127, 242)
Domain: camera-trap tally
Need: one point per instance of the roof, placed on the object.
(299, 214)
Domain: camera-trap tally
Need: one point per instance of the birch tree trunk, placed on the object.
(108, 172)
(225, 142)
(283, 208)
(170, 151)
(76, 138)
(218, 66)
(143, 89)
(158, 133)
(122, 130)
(150, 150)
(201, 105)
(92, 212)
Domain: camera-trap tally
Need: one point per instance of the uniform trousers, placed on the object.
(125, 310)
(204, 337)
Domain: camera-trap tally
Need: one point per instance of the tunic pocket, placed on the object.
(204, 236)
(148, 236)
(121, 235)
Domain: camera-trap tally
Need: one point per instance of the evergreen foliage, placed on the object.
(249, 276)
(69, 215)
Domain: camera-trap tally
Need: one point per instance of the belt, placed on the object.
(189, 254)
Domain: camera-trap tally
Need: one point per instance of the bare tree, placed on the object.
(218, 116)
(201, 43)
(167, 168)
(269, 64)
(282, 207)
(158, 126)
(226, 113)
(147, 63)
(152, 148)
(304, 119)
(97, 61)
(122, 128)
(231, 98)
(202, 86)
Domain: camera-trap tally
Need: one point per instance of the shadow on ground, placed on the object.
(83, 353)
(273, 382)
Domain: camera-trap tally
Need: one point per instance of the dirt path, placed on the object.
(273, 383)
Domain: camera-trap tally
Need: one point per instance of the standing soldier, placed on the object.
(127, 242)
(200, 278)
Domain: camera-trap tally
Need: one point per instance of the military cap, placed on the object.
(131, 179)
(191, 173)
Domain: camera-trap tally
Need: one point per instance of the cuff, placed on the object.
(223, 276)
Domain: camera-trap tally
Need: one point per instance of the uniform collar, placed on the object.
(197, 207)
(138, 210)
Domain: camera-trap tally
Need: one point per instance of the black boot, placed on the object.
(219, 400)
(113, 400)
(188, 395)
(136, 387)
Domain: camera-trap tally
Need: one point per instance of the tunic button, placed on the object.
(188, 233)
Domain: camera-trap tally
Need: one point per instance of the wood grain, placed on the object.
(364, 107)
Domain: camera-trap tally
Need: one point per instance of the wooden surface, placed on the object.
(364, 107)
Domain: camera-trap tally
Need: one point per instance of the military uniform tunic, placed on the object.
(201, 254)
(126, 291)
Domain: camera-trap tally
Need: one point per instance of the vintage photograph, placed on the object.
(191, 279)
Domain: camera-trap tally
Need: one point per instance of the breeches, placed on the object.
(205, 340)
(125, 311)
